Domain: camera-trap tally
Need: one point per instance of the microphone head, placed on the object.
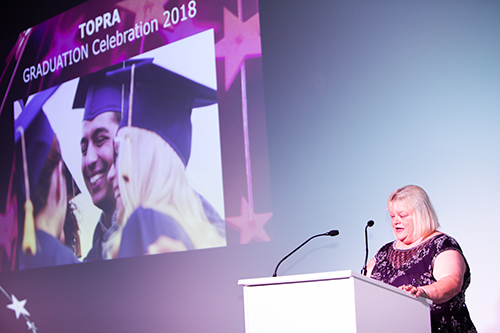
(332, 233)
(370, 223)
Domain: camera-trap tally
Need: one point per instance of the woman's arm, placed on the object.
(449, 269)
(369, 267)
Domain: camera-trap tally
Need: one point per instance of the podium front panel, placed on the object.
(341, 301)
(296, 307)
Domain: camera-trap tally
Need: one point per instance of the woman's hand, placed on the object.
(415, 291)
(449, 269)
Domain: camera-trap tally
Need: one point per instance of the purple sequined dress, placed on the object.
(414, 267)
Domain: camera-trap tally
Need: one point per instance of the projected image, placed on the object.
(155, 112)
(133, 134)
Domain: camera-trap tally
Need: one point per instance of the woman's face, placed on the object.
(113, 179)
(402, 222)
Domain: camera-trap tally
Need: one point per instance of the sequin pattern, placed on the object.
(414, 267)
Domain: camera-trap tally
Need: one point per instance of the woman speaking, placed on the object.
(424, 261)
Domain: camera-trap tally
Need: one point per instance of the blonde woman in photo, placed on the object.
(157, 209)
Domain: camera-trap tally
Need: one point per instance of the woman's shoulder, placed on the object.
(150, 221)
(444, 242)
(146, 225)
(385, 248)
(142, 212)
(50, 252)
(441, 237)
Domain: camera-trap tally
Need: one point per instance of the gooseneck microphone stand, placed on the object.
(329, 233)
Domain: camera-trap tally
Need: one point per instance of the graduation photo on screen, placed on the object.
(142, 139)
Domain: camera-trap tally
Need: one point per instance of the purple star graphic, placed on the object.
(250, 224)
(241, 41)
(145, 10)
(8, 221)
(16, 52)
(8, 228)
(185, 29)
(62, 42)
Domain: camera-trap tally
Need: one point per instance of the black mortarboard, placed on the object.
(38, 135)
(162, 102)
(97, 94)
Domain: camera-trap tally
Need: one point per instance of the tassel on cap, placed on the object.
(29, 239)
(34, 137)
(127, 144)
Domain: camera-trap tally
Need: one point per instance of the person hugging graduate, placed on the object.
(158, 211)
(45, 188)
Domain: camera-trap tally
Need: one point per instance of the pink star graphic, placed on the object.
(249, 224)
(8, 221)
(16, 52)
(241, 41)
(22, 40)
(185, 29)
(8, 228)
(63, 41)
(145, 10)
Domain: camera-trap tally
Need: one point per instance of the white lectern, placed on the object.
(341, 301)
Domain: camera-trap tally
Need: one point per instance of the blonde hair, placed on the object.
(152, 175)
(424, 217)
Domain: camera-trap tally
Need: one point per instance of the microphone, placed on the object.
(329, 233)
(368, 224)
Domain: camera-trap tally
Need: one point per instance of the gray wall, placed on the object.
(366, 96)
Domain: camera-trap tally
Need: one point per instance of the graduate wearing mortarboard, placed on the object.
(47, 187)
(158, 211)
(101, 99)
